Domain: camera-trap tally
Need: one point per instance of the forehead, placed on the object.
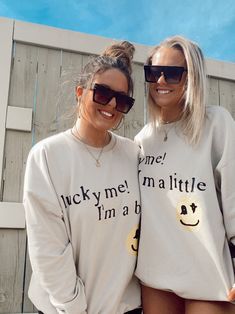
(113, 78)
(168, 56)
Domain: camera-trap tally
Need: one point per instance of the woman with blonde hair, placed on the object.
(187, 189)
(81, 197)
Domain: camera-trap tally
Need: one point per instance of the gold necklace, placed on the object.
(162, 123)
(166, 132)
(97, 159)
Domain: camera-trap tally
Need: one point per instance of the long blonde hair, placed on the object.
(195, 92)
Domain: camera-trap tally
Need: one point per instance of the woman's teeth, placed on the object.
(163, 91)
(107, 114)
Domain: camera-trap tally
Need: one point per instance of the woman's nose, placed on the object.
(161, 79)
(112, 103)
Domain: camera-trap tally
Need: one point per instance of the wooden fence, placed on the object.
(38, 65)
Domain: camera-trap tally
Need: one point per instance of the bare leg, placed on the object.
(208, 307)
(161, 302)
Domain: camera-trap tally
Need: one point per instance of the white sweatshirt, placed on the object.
(188, 206)
(82, 223)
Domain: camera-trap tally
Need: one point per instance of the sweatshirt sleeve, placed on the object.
(225, 171)
(50, 250)
(228, 203)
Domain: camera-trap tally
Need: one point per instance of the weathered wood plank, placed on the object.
(45, 122)
(227, 95)
(134, 120)
(68, 40)
(71, 65)
(24, 76)
(27, 305)
(220, 69)
(16, 151)
(12, 248)
(18, 144)
(47, 89)
(6, 32)
(213, 97)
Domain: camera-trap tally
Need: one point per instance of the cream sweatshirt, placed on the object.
(188, 209)
(82, 224)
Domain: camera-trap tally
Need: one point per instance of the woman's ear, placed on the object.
(79, 91)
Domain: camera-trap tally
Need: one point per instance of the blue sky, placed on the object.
(211, 23)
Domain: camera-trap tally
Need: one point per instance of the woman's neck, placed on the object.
(169, 116)
(89, 135)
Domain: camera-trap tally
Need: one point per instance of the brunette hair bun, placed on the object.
(123, 51)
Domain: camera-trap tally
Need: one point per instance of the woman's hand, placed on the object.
(231, 295)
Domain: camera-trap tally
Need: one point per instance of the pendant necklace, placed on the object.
(97, 159)
(163, 127)
(166, 134)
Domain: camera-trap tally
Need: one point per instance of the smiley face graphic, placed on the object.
(133, 240)
(188, 213)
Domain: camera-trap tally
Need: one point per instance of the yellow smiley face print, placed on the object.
(189, 212)
(132, 240)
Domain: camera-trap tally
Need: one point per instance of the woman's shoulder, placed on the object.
(220, 120)
(221, 123)
(145, 133)
(126, 143)
(122, 139)
(218, 112)
(50, 143)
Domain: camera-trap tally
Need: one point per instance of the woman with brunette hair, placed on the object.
(81, 198)
(187, 189)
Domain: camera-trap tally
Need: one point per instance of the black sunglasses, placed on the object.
(103, 94)
(172, 74)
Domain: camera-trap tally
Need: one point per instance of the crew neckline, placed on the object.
(107, 147)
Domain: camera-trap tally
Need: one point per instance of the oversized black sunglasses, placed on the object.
(172, 74)
(103, 95)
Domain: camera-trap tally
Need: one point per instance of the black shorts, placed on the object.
(136, 311)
